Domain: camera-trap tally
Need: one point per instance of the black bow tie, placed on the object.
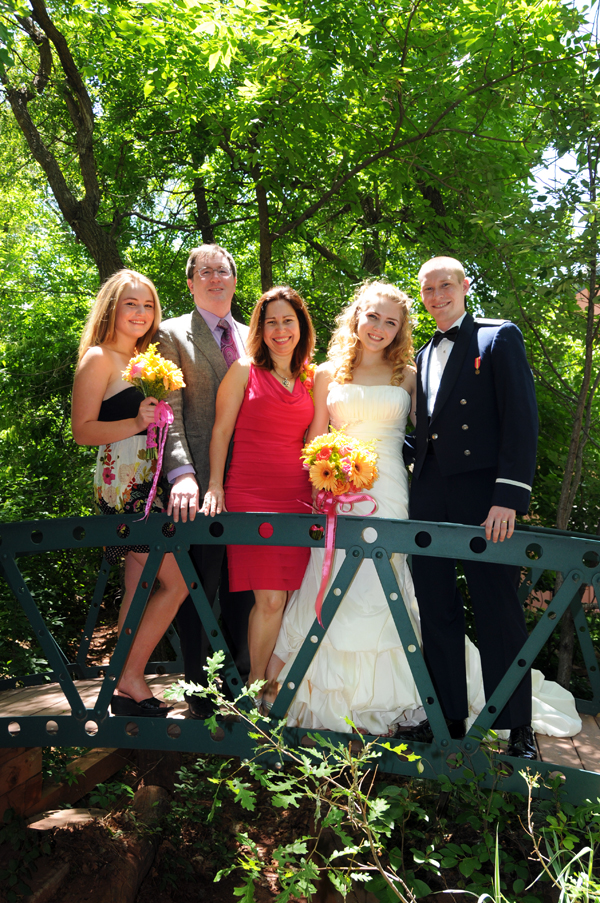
(450, 334)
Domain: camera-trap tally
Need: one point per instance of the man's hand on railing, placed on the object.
(500, 523)
(184, 498)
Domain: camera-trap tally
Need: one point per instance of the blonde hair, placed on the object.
(448, 263)
(100, 324)
(344, 348)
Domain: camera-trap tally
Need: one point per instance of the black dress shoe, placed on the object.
(521, 743)
(146, 708)
(200, 709)
(423, 732)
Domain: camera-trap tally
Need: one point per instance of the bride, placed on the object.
(360, 671)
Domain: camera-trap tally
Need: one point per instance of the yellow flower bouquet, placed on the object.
(153, 374)
(338, 463)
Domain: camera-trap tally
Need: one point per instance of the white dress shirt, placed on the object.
(437, 359)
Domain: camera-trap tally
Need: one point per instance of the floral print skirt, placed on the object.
(122, 484)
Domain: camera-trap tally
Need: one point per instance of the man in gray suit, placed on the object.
(203, 344)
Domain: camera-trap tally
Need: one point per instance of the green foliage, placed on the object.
(55, 760)
(401, 838)
(111, 795)
(193, 820)
(19, 850)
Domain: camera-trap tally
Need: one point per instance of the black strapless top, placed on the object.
(122, 405)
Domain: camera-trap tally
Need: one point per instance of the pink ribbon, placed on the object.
(163, 418)
(327, 503)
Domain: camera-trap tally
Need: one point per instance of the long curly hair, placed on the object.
(100, 324)
(345, 348)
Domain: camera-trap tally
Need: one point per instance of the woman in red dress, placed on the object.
(263, 399)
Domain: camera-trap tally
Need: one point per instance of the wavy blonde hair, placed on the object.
(345, 349)
(100, 324)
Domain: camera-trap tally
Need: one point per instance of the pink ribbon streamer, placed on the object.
(163, 418)
(327, 503)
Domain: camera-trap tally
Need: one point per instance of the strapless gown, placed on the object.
(124, 474)
(360, 670)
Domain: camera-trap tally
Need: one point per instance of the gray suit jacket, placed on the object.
(189, 343)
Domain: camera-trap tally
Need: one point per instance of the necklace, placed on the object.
(284, 379)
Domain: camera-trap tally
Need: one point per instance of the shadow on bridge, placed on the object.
(68, 704)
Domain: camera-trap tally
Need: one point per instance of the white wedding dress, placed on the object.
(360, 670)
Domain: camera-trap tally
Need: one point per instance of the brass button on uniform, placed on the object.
(465, 426)
(467, 452)
(463, 401)
(434, 435)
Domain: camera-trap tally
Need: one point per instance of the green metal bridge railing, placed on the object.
(575, 556)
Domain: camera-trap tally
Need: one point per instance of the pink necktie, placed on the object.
(228, 346)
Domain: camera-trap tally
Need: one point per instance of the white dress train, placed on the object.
(360, 671)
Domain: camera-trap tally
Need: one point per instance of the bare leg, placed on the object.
(160, 611)
(134, 565)
(272, 688)
(263, 627)
(274, 667)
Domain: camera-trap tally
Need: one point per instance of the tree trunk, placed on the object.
(371, 259)
(266, 239)
(202, 213)
(81, 215)
(572, 477)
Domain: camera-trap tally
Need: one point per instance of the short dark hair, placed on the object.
(207, 251)
(255, 344)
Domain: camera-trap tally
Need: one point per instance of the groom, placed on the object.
(474, 451)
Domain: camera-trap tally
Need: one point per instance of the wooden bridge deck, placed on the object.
(48, 700)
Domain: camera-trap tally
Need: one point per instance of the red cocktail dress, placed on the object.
(266, 474)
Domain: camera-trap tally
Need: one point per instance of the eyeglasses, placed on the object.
(207, 272)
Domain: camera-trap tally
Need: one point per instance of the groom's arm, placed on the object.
(517, 410)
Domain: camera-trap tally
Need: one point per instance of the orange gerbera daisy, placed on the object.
(364, 473)
(322, 475)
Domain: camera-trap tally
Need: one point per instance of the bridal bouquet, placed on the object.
(341, 468)
(339, 464)
(153, 374)
(156, 377)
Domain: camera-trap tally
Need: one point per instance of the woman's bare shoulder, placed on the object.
(97, 359)
(327, 369)
(409, 378)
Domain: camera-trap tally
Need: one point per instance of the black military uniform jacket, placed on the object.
(485, 413)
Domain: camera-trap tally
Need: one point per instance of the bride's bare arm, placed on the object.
(410, 384)
(320, 421)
